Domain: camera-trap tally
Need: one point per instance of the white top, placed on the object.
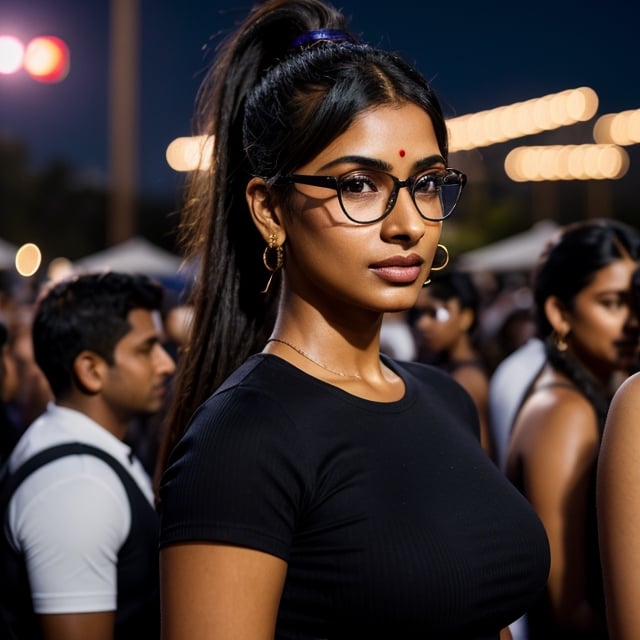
(396, 338)
(507, 387)
(70, 517)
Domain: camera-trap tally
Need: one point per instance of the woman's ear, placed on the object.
(266, 214)
(557, 316)
(466, 319)
(88, 372)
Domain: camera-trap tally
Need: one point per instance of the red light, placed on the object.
(46, 59)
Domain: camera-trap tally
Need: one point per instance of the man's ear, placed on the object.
(266, 213)
(89, 371)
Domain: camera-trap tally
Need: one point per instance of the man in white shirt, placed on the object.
(82, 528)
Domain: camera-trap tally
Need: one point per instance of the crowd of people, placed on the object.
(326, 441)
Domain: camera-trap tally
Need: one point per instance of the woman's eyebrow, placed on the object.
(428, 162)
(375, 163)
(364, 161)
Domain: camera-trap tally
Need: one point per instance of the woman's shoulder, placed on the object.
(265, 392)
(261, 380)
(246, 416)
(622, 419)
(628, 393)
(557, 412)
(261, 375)
(440, 384)
(472, 374)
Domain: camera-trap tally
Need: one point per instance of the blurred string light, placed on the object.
(466, 132)
(561, 162)
(618, 128)
(190, 153)
(59, 269)
(28, 259)
(45, 58)
(533, 116)
(567, 162)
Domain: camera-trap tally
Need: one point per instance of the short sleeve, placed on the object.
(70, 526)
(239, 476)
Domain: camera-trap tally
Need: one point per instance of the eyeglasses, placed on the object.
(368, 195)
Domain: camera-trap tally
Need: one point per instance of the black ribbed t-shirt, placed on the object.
(392, 519)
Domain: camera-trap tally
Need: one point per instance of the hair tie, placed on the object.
(334, 35)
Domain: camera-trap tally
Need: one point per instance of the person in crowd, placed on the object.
(508, 385)
(78, 554)
(396, 336)
(34, 392)
(518, 327)
(9, 383)
(617, 490)
(582, 288)
(506, 321)
(319, 488)
(445, 318)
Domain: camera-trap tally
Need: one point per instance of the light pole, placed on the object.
(123, 119)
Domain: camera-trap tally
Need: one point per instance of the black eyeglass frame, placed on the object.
(334, 182)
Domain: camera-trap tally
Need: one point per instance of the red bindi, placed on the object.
(402, 153)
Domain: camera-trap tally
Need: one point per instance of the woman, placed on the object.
(618, 481)
(324, 490)
(444, 318)
(582, 291)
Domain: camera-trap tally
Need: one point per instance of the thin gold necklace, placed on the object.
(318, 364)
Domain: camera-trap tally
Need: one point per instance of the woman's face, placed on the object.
(438, 322)
(604, 329)
(337, 264)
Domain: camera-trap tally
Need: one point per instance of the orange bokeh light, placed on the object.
(46, 59)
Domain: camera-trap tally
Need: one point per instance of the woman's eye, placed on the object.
(612, 303)
(358, 184)
(427, 184)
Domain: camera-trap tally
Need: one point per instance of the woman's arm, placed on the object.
(618, 500)
(561, 441)
(216, 591)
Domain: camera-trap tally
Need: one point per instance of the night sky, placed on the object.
(478, 55)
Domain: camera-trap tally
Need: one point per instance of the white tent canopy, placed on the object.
(519, 252)
(136, 255)
(7, 254)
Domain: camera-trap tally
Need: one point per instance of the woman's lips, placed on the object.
(399, 269)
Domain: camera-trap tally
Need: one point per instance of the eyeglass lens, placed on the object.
(368, 195)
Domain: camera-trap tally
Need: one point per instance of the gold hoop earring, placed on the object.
(442, 250)
(272, 250)
(560, 342)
